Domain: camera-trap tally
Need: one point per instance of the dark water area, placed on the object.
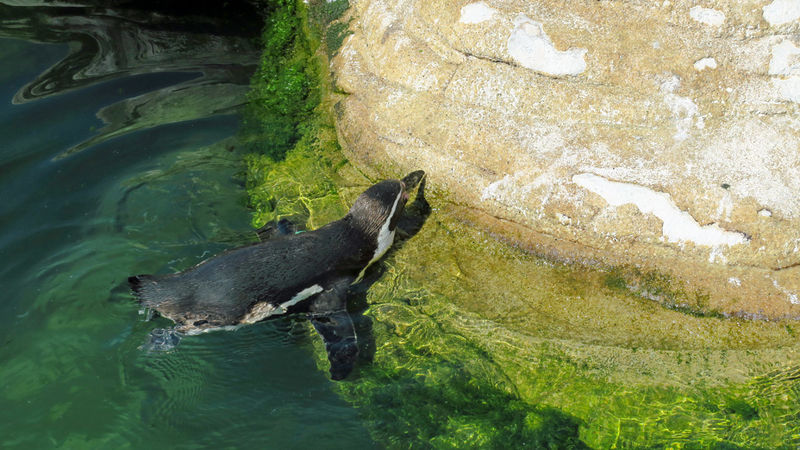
(118, 156)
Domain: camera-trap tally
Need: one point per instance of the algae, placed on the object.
(282, 95)
(468, 342)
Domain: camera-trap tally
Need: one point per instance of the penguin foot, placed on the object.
(162, 340)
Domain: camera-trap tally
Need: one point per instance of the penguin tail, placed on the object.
(145, 288)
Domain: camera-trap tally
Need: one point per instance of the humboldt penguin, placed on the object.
(294, 272)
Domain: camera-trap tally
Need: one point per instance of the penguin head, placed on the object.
(379, 207)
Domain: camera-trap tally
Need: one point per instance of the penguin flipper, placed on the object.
(336, 329)
(330, 318)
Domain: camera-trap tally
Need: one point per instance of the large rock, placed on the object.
(645, 135)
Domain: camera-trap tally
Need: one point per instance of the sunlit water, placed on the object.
(85, 204)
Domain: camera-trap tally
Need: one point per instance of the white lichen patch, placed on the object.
(716, 255)
(678, 226)
(707, 16)
(563, 220)
(785, 66)
(685, 112)
(495, 190)
(705, 63)
(476, 13)
(532, 48)
(780, 12)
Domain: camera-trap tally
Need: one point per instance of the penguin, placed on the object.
(292, 273)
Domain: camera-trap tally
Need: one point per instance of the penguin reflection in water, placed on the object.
(307, 272)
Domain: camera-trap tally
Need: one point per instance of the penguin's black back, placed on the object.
(223, 289)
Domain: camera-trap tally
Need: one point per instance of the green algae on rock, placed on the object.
(283, 93)
(470, 342)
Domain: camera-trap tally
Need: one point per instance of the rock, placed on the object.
(658, 137)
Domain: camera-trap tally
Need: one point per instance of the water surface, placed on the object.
(116, 162)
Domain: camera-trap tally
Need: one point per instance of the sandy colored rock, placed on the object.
(658, 136)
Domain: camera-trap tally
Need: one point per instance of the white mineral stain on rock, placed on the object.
(530, 46)
(788, 89)
(754, 153)
(683, 109)
(707, 16)
(785, 65)
(679, 226)
(793, 299)
(494, 190)
(784, 59)
(705, 63)
(476, 13)
(725, 207)
(509, 191)
(782, 11)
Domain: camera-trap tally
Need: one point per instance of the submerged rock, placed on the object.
(656, 137)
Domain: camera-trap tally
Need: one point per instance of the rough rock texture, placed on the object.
(655, 136)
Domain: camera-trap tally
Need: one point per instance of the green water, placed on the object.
(157, 198)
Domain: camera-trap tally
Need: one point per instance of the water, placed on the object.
(132, 166)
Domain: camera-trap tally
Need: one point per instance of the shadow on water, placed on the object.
(448, 408)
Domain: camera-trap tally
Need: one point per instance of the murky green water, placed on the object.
(155, 189)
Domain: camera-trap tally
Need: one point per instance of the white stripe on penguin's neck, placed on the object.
(385, 238)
